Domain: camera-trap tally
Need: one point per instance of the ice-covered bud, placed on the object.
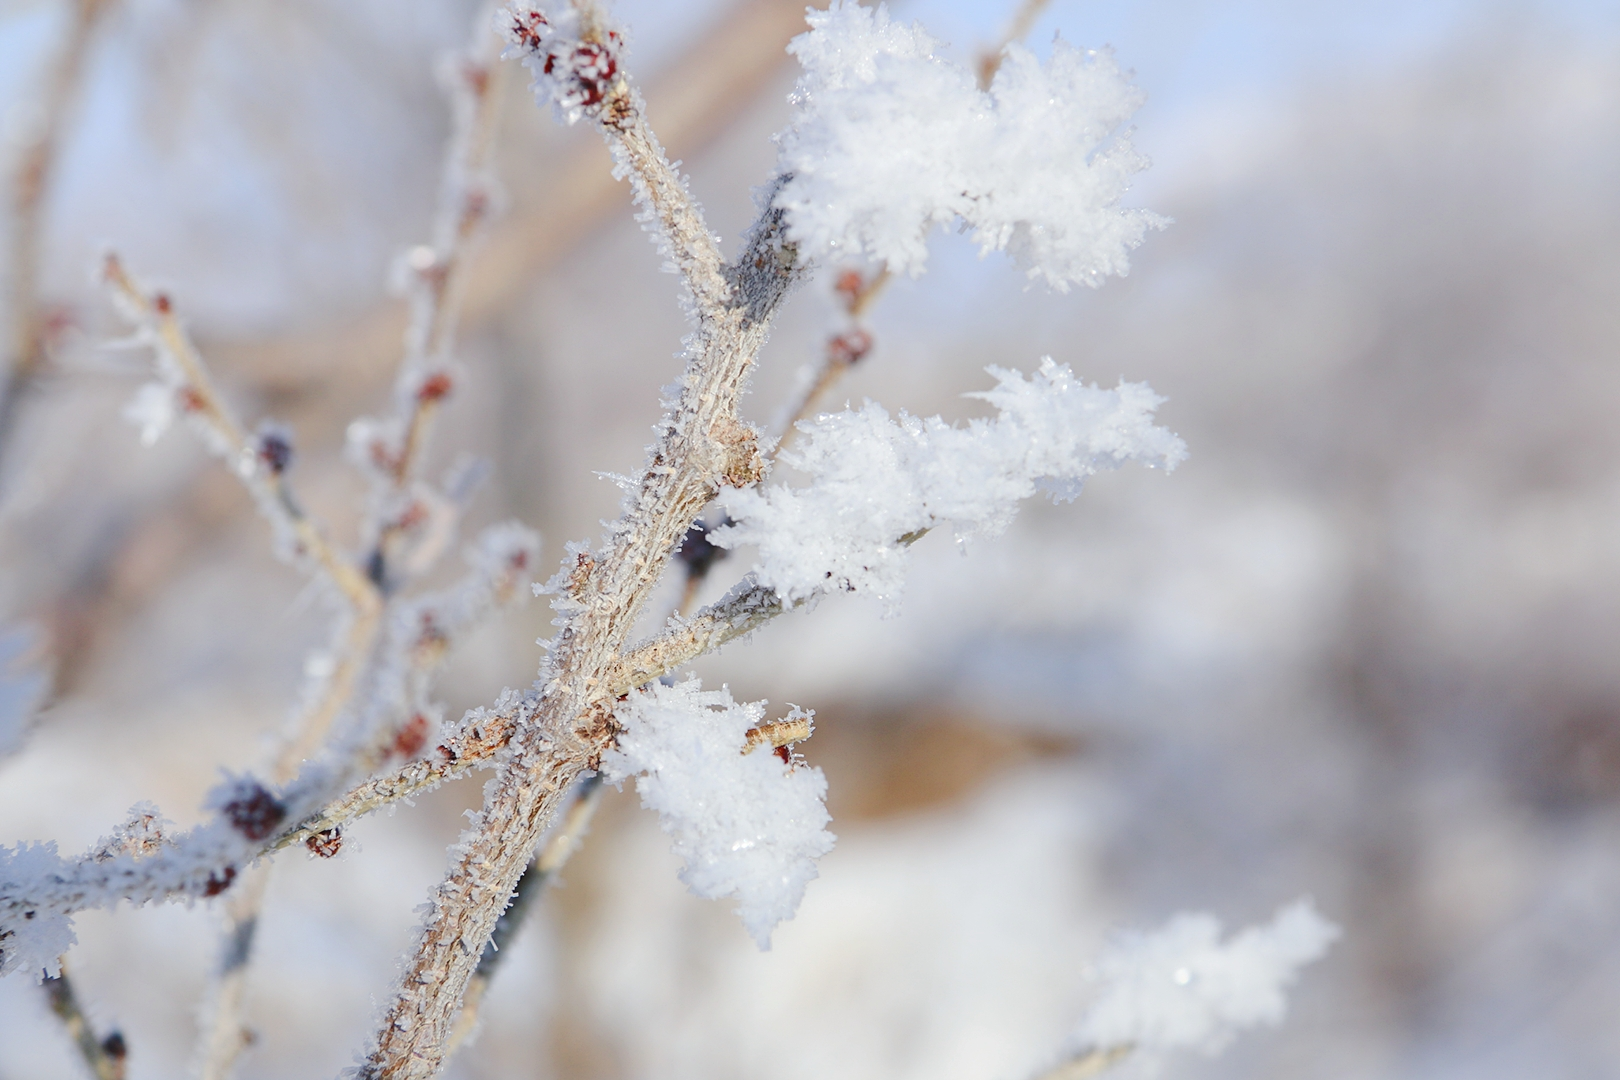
(891, 139)
(575, 61)
(250, 808)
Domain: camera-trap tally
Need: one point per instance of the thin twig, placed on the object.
(248, 459)
(1023, 21)
(107, 1056)
(437, 275)
(1089, 1064)
(28, 347)
(842, 351)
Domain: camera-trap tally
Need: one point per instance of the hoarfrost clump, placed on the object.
(891, 139)
(1181, 988)
(877, 483)
(746, 824)
(32, 938)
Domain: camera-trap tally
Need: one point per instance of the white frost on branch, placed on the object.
(573, 54)
(746, 825)
(40, 890)
(877, 483)
(892, 139)
(1182, 988)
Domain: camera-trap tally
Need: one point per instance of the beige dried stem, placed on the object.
(27, 350)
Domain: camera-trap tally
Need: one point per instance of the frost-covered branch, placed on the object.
(260, 461)
(433, 277)
(575, 52)
(702, 445)
(877, 482)
(743, 610)
(554, 854)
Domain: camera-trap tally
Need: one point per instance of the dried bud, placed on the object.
(849, 286)
(436, 387)
(698, 553)
(324, 845)
(191, 399)
(847, 348)
(411, 737)
(115, 1047)
(528, 28)
(275, 448)
(253, 811)
(162, 304)
(217, 885)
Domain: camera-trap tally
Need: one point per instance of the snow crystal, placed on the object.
(877, 483)
(746, 824)
(1181, 988)
(892, 139)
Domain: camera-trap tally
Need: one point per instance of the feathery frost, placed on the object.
(892, 139)
(878, 483)
(1183, 988)
(747, 825)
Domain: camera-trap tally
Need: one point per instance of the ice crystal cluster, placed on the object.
(892, 139)
(877, 482)
(746, 824)
(1183, 988)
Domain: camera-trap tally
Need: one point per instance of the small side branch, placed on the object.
(107, 1056)
(28, 347)
(259, 462)
(745, 609)
(1091, 1063)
